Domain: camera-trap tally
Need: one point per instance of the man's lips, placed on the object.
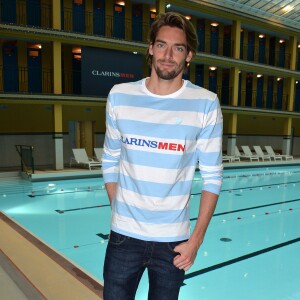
(167, 64)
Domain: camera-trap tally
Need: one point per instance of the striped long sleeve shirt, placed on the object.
(152, 146)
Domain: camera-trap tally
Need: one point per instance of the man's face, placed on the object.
(169, 52)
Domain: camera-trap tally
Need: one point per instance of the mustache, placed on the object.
(169, 61)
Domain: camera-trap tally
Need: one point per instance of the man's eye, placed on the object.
(179, 49)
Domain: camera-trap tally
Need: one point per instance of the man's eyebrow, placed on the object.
(160, 41)
(176, 44)
(182, 45)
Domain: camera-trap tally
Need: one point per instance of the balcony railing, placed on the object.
(269, 56)
(26, 80)
(105, 25)
(41, 16)
(20, 80)
(263, 100)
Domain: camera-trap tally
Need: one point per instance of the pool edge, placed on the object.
(48, 272)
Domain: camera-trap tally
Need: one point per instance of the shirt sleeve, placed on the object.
(209, 146)
(112, 145)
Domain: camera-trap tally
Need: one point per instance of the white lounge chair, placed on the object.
(230, 158)
(261, 154)
(248, 153)
(98, 153)
(244, 156)
(226, 158)
(81, 158)
(278, 156)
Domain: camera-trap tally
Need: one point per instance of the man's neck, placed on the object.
(162, 87)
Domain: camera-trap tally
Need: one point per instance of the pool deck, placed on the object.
(255, 164)
(47, 174)
(30, 269)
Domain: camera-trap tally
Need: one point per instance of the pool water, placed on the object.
(251, 249)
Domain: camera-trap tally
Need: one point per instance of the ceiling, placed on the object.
(285, 12)
(279, 12)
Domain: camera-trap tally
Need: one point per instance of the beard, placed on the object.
(169, 75)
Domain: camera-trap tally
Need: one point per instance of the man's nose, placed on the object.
(169, 52)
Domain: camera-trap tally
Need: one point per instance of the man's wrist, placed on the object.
(196, 240)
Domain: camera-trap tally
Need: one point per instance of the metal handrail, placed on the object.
(27, 160)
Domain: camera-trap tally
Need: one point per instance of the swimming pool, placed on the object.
(251, 250)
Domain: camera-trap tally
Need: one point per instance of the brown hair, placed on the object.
(173, 19)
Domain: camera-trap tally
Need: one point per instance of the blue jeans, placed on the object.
(127, 258)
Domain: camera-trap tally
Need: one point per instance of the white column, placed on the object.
(59, 150)
(231, 143)
(287, 145)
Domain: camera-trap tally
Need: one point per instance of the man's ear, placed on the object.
(151, 49)
(189, 57)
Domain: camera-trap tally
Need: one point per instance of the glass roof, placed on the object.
(286, 12)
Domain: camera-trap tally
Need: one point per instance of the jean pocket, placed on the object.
(117, 239)
(172, 245)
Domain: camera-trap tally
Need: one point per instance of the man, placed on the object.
(157, 130)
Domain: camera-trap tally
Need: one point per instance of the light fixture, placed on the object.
(76, 50)
(287, 9)
(34, 46)
(77, 56)
(188, 17)
(279, 79)
(122, 3)
(33, 53)
(281, 41)
(168, 5)
(259, 75)
(298, 45)
(261, 36)
(118, 9)
(297, 81)
(214, 24)
(153, 9)
(212, 68)
(134, 52)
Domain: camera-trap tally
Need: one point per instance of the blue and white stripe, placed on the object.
(151, 148)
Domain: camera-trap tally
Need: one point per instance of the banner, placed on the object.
(101, 69)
